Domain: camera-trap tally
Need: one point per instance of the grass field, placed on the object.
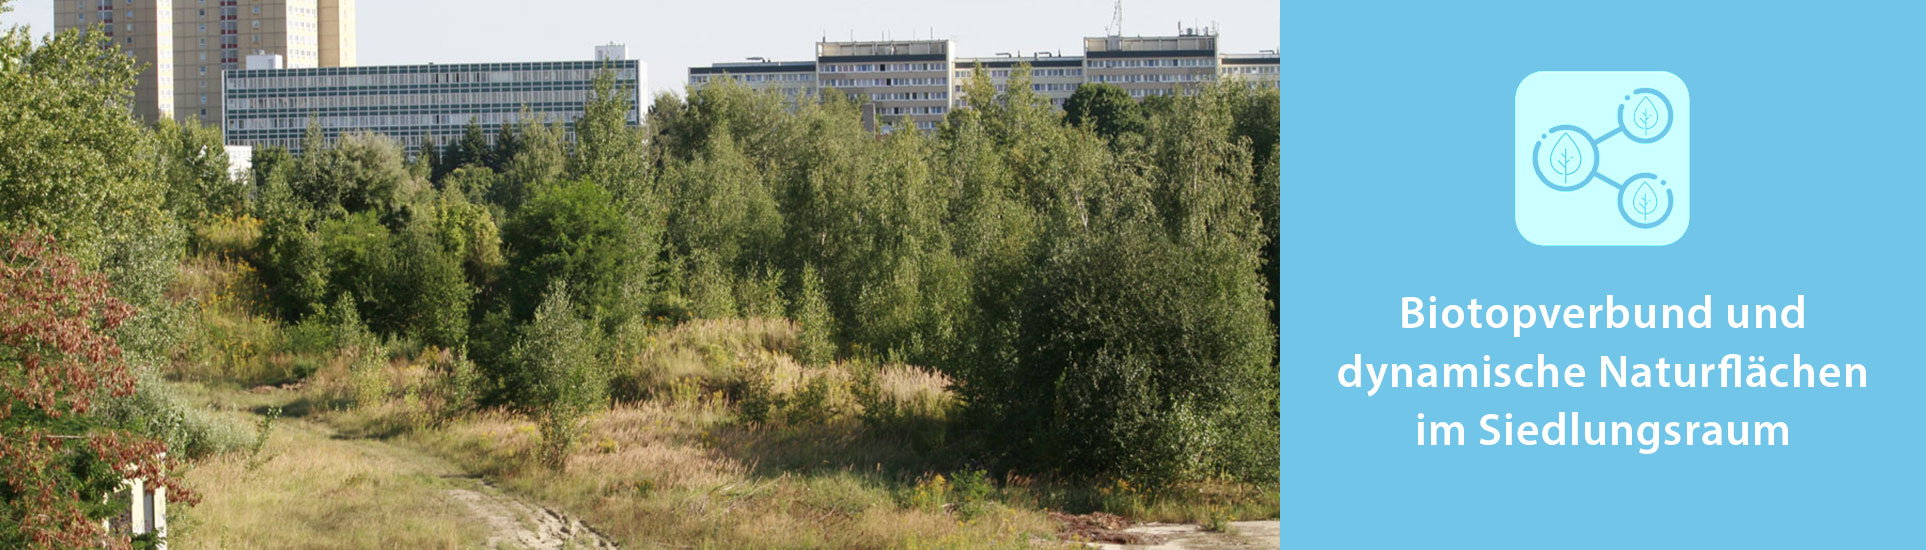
(717, 439)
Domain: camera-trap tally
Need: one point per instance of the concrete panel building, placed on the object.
(1151, 65)
(792, 79)
(144, 32)
(907, 81)
(899, 79)
(1255, 69)
(337, 33)
(1050, 76)
(415, 104)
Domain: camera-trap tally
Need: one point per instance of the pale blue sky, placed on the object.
(672, 36)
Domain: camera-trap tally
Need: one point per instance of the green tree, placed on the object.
(196, 171)
(472, 149)
(608, 145)
(1106, 108)
(536, 158)
(423, 291)
(358, 253)
(289, 257)
(572, 231)
(557, 356)
(815, 343)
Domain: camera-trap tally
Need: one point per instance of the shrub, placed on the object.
(561, 383)
(815, 342)
(572, 232)
(423, 291)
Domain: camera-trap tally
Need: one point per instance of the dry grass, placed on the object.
(308, 489)
(699, 356)
(659, 475)
(227, 340)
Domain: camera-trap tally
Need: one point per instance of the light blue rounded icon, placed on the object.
(1572, 165)
(1648, 121)
(1644, 201)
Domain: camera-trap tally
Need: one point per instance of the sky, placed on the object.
(673, 36)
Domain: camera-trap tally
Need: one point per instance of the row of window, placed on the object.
(754, 78)
(356, 122)
(407, 100)
(420, 79)
(1134, 78)
(1035, 73)
(1150, 63)
(894, 111)
(1251, 69)
(885, 82)
(882, 67)
(909, 96)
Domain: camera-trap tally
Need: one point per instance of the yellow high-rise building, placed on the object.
(205, 37)
(145, 32)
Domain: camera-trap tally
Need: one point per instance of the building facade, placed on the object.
(415, 104)
(906, 81)
(1051, 77)
(921, 80)
(193, 41)
(1151, 66)
(144, 32)
(792, 79)
(1258, 69)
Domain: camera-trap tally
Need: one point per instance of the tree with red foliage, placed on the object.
(58, 462)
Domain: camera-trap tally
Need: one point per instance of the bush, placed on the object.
(572, 232)
(815, 343)
(560, 382)
(424, 294)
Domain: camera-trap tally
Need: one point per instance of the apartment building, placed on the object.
(202, 38)
(417, 104)
(900, 79)
(1258, 69)
(1151, 65)
(1050, 76)
(338, 35)
(906, 81)
(793, 79)
(145, 33)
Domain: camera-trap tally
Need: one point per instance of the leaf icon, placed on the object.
(1644, 201)
(1565, 158)
(1645, 116)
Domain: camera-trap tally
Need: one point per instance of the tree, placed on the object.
(608, 147)
(57, 357)
(572, 231)
(423, 291)
(289, 254)
(815, 343)
(556, 353)
(472, 149)
(196, 171)
(536, 158)
(1106, 108)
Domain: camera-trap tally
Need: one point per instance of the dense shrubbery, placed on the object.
(1095, 286)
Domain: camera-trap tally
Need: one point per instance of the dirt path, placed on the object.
(521, 524)
(1241, 535)
(310, 481)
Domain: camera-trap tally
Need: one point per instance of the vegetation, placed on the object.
(748, 305)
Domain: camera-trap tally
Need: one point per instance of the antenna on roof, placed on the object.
(1116, 20)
